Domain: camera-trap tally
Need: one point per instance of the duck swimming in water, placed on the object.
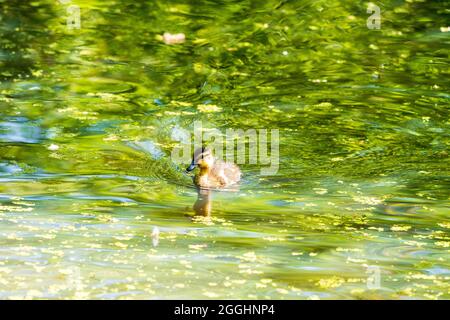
(213, 173)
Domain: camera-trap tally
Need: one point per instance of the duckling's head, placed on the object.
(202, 158)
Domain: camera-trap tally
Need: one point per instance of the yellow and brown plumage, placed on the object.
(213, 173)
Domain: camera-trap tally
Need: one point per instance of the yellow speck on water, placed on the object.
(355, 280)
(271, 239)
(282, 291)
(274, 109)
(121, 245)
(210, 294)
(106, 218)
(444, 225)
(354, 260)
(200, 41)
(444, 244)
(53, 147)
(15, 209)
(324, 105)
(208, 108)
(310, 204)
(320, 191)
(422, 276)
(400, 228)
(367, 200)
(330, 283)
(23, 203)
(203, 220)
(123, 238)
(172, 113)
(266, 281)
(201, 68)
(197, 246)
(186, 264)
(349, 249)
(37, 73)
(261, 25)
(180, 103)
(111, 137)
(249, 256)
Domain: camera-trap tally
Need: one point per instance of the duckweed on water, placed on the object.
(87, 118)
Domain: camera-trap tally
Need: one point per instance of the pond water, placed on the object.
(92, 206)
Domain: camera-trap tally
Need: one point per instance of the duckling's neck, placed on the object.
(202, 179)
(204, 171)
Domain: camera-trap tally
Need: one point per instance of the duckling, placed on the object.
(213, 173)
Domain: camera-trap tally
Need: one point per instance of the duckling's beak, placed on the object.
(191, 167)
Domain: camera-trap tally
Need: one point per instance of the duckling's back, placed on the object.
(228, 173)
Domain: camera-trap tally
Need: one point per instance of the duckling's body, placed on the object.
(220, 175)
(213, 173)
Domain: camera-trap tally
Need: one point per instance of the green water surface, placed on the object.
(87, 118)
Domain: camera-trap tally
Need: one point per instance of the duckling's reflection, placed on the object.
(213, 174)
(203, 205)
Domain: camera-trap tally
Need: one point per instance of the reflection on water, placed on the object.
(203, 205)
(19, 131)
(92, 206)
